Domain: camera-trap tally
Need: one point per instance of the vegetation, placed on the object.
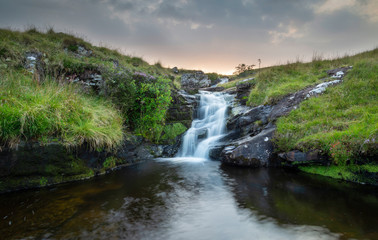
(29, 110)
(140, 92)
(343, 122)
(353, 173)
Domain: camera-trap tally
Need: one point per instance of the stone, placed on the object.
(182, 108)
(242, 91)
(193, 81)
(254, 151)
(34, 64)
(213, 89)
(298, 157)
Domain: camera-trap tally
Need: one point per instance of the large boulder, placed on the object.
(254, 151)
(182, 108)
(191, 82)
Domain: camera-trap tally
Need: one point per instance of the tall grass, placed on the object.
(29, 110)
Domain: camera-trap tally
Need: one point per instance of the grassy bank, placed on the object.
(342, 122)
(132, 92)
(51, 111)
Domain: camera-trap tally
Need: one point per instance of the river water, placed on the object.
(176, 199)
(191, 197)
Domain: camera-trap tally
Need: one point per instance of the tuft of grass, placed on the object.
(29, 110)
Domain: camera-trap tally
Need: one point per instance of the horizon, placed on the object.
(212, 36)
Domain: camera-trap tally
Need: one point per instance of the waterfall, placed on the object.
(208, 128)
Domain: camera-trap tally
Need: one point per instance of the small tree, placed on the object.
(243, 68)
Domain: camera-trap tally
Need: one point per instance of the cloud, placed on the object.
(364, 8)
(285, 32)
(208, 33)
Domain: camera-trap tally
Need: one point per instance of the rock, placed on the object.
(84, 52)
(213, 89)
(242, 122)
(175, 70)
(215, 152)
(320, 88)
(201, 133)
(298, 157)
(338, 72)
(242, 91)
(34, 64)
(254, 151)
(193, 81)
(182, 108)
(89, 78)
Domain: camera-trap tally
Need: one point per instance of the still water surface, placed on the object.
(186, 199)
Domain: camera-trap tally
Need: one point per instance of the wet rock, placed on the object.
(254, 151)
(298, 157)
(191, 82)
(201, 133)
(243, 122)
(182, 108)
(216, 151)
(213, 89)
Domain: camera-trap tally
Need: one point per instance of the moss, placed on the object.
(367, 173)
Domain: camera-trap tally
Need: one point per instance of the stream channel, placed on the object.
(191, 197)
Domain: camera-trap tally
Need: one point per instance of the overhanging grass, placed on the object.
(50, 110)
(352, 173)
(343, 122)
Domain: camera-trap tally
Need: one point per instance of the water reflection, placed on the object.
(191, 200)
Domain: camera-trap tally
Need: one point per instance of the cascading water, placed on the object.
(208, 128)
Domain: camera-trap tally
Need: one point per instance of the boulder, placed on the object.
(254, 151)
(191, 82)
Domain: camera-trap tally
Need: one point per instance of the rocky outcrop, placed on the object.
(88, 79)
(191, 82)
(254, 128)
(253, 151)
(34, 64)
(242, 91)
(182, 108)
(36, 164)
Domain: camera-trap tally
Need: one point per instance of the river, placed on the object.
(191, 197)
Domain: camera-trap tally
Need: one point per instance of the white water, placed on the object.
(208, 128)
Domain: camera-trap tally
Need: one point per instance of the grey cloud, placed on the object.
(180, 32)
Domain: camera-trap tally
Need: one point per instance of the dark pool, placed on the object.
(178, 199)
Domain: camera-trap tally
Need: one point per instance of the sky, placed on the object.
(210, 35)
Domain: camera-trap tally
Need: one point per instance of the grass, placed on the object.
(29, 110)
(343, 122)
(354, 173)
(60, 52)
